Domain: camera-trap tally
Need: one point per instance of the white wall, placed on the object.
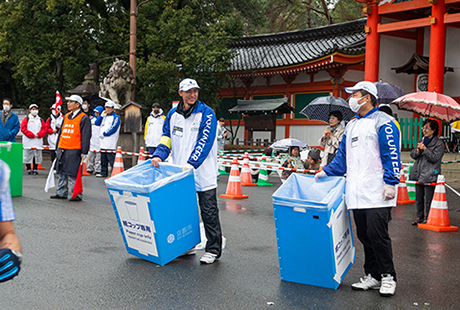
(452, 79)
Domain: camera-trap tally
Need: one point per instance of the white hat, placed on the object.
(364, 85)
(54, 107)
(109, 104)
(32, 106)
(75, 98)
(188, 84)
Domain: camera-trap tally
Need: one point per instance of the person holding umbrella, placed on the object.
(72, 146)
(428, 155)
(332, 136)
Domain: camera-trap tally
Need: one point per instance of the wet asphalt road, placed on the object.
(74, 258)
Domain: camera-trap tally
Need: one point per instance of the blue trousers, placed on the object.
(107, 158)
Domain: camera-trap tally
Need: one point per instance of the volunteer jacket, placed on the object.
(52, 123)
(154, 129)
(370, 156)
(30, 127)
(191, 136)
(10, 129)
(109, 130)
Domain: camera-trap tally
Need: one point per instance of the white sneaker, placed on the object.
(368, 282)
(192, 251)
(388, 286)
(208, 258)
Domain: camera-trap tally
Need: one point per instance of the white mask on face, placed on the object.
(84, 106)
(6, 107)
(354, 105)
(34, 112)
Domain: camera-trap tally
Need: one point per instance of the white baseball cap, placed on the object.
(109, 104)
(75, 98)
(54, 107)
(364, 85)
(188, 84)
(33, 105)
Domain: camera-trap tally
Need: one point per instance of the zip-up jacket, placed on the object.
(191, 136)
(370, 156)
(109, 130)
(154, 129)
(10, 128)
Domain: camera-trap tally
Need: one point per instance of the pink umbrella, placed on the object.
(430, 104)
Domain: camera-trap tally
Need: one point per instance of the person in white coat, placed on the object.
(369, 155)
(109, 132)
(154, 128)
(34, 129)
(189, 133)
(53, 124)
(93, 160)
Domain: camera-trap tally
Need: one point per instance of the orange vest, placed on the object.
(70, 138)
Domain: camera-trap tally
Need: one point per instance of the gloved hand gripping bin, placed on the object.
(313, 231)
(157, 211)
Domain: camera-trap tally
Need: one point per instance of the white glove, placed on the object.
(389, 192)
(320, 175)
(187, 167)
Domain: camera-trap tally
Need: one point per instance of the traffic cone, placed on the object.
(263, 176)
(221, 169)
(403, 195)
(234, 190)
(84, 169)
(246, 178)
(118, 164)
(39, 167)
(438, 218)
(141, 158)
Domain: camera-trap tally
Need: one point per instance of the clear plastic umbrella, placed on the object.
(285, 144)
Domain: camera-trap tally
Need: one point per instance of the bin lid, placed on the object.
(145, 178)
(302, 190)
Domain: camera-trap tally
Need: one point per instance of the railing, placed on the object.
(411, 132)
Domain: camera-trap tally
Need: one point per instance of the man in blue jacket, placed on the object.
(9, 125)
(370, 157)
(189, 131)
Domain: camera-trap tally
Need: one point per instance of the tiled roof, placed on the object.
(298, 47)
(277, 106)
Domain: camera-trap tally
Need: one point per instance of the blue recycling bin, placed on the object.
(313, 231)
(156, 210)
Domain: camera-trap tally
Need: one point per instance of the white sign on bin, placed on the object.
(344, 252)
(134, 214)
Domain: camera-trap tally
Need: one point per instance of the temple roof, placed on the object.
(417, 65)
(298, 47)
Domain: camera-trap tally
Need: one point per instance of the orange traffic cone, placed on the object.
(118, 164)
(39, 167)
(438, 218)
(84, 169)
(403, 194)
(246, 178)
(141, 158)
(234, 190)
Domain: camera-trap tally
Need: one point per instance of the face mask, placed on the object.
(34, 112)
(354, 105)
(84, 106)
(6, 107)
(156, 111)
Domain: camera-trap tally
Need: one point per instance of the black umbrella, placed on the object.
(388, 92)
(320, 108)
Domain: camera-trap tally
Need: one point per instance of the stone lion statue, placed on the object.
(118, 84)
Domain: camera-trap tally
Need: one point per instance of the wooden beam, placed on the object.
(390, 8)
(452, 18)
(402, 34)
(404, 25)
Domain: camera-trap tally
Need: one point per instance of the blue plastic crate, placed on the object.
(157, 211)
(314, 235)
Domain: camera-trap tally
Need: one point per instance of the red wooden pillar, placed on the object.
(371, 64)
(437, 47)
(437, 50)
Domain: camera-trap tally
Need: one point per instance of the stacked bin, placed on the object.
(314, 236)
(156, 210)
(11, 154)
